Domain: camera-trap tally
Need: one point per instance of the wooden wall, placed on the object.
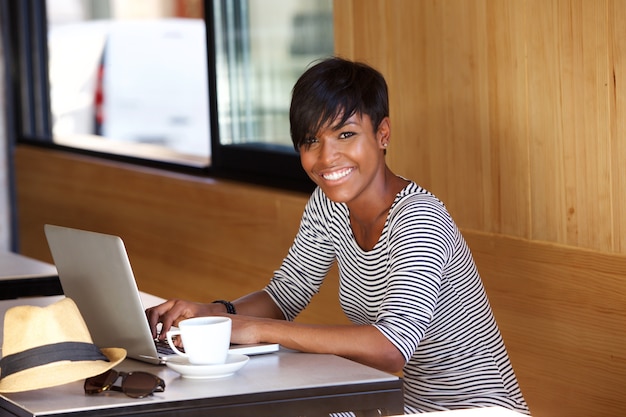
(511, 111)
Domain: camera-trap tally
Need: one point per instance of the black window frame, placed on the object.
(6, 48)
(269, 165)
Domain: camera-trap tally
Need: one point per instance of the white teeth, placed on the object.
(333, 176)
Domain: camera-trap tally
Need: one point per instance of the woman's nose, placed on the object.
(328, 150)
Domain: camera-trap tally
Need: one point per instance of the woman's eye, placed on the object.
(308, 142)
(346, 135)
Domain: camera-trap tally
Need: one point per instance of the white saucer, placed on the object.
(234, 362)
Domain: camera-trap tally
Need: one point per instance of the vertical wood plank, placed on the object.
(584, 103)
(545, 123)
(617, 125)
(417, 105)
(508, 101)
(466, 112)
(343, 31)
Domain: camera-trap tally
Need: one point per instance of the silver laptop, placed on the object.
(95, 272)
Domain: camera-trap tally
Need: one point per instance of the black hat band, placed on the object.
(43, 355)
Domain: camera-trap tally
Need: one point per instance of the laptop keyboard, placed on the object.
(164, 349)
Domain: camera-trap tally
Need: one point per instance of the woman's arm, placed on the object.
(259, 319)
(362, 343)
(258, 304)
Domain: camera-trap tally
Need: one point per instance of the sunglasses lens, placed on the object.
(140, 384)
(99, 383)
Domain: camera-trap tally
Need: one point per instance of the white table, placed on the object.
(14, 265)
(285, 383)
(21, 276)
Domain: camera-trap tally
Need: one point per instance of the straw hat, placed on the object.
(48, 346)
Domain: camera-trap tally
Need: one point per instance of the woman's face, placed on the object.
(345, 161)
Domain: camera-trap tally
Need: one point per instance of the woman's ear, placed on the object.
(383, 134)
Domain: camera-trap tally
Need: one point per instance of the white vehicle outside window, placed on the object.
(154, 85)
(132, 77)
(129, 81)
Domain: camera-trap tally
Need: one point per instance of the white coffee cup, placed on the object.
(206, 339)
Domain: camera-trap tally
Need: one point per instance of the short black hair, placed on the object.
(336, 87)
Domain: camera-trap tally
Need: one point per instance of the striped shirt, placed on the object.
(419, 286)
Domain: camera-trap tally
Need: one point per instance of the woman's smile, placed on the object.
(336, 175)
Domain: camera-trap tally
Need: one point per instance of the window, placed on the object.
(261, 48)
(178, 83)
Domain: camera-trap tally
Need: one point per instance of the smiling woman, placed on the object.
(408, 282)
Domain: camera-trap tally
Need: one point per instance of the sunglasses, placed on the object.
(134, 384)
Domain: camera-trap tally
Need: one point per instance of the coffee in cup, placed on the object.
(206, 339)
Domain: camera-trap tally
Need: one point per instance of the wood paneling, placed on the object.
(510, 111)
(562, 313)
(617, 108)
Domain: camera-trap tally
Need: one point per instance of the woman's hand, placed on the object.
(171, 312)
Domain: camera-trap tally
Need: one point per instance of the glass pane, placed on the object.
(130, 77)
(262, 47)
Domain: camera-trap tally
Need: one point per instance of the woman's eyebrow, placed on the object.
(340, 125)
